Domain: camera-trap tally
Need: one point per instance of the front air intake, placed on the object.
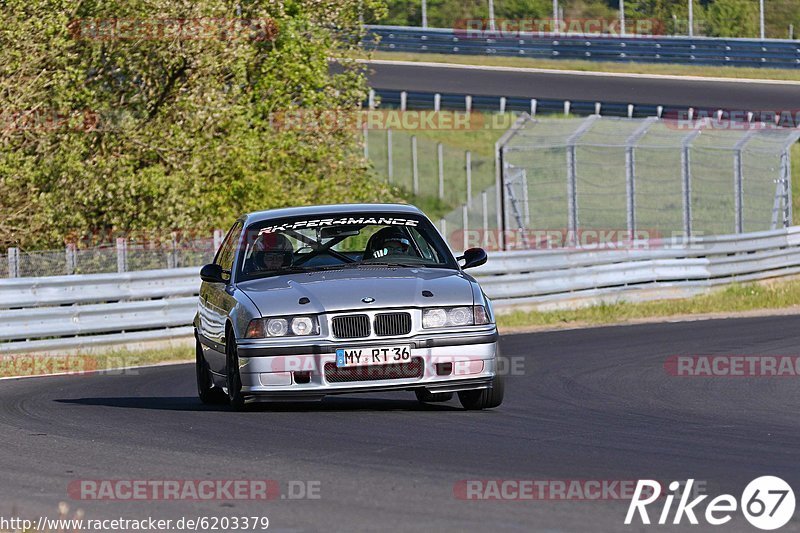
(351, 326)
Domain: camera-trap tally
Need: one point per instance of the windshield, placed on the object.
(284, 246)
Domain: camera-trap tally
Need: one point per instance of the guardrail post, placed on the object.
(70, 259)
(567, 105)
(597, 108)
(122, 254)
(440, 157)
(534, 104)
(437, 102)
(403, 100)
(389, 162)
(468, 167)
(502, 104)
(371, 99)
(414, 166)
(468, 103)
(13, 262)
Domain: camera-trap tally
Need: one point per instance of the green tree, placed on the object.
(184, 137)
(732, 18)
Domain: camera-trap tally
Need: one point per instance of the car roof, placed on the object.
(332, 209)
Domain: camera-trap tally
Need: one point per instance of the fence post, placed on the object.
(572, 178)
(468, 156)
(13, 262)
(172, 257)
(738, 190)
(465, 224)
(71, 259)
(440, 157)
(630, 173)
(389, 162)
(788, 182)
(786, 177)
(485, 209)
(218, 236)
(686, 178)
(122, 254)
(527, 214)
(414, 165)
(365, 129)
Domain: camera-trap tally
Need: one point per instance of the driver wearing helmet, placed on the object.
(271, 251)
(388, 242)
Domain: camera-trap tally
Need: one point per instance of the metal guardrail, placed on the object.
(772, 53)
(114, 309)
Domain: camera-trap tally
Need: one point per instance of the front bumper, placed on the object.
(294, 372)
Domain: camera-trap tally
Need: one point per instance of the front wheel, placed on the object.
(484, 398)
(206, 391)
(235, 396)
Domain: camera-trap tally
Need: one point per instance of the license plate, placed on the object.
(372, 355)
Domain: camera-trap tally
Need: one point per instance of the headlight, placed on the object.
(277, 327)
(441, 317)
(289, 326)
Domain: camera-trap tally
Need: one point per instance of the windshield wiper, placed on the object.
(387, 263)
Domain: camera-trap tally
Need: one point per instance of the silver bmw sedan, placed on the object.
(304, 302)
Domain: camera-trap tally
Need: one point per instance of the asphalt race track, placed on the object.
(739, 95)
(589, 404)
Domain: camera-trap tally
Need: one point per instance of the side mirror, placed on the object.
(474, 257)
(212, 273)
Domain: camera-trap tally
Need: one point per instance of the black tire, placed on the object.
(234, 380)
(426, 396)
(484, 398)
(206, 391)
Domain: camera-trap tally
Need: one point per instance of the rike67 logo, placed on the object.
(767, 503)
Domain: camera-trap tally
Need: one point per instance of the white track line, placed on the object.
(577, 72)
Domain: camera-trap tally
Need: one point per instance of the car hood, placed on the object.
(344, 290)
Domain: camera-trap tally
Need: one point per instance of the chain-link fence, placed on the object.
(641, 179)
(435, 174)
(125, 255)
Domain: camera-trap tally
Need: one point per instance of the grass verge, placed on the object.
(34, 364)
(598, 66)
(737, 298)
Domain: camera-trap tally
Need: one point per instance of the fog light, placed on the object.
(444, 369)
(302, 377)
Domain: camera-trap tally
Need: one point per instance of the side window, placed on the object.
(227, 251)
